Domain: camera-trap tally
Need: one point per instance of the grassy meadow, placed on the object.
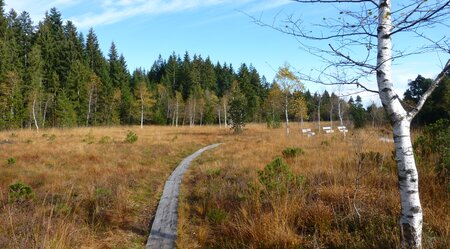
(91, 188)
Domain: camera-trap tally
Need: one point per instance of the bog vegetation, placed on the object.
(88, 188)
(99, 187)
(261, 190)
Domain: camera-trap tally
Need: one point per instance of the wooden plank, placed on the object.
(164, 228)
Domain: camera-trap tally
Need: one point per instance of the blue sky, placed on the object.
(143, 29)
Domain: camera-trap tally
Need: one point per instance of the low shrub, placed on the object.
(131, 137)
(11, 161)
(276, 177)
(293, 152)
(20, 191)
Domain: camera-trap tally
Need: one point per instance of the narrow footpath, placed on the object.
(164, 229)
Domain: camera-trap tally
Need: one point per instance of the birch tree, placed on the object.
(288, 82)
(145, 100)
(35, 75)
(359, 39)
(299, 108)
(92, 91)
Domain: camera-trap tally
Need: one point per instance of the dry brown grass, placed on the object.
(224, 205)
(91, 189)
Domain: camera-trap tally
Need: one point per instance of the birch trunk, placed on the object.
(339, 112)
(286, 114)
(193, 114)
(89, 107)
(225, 122)
(411, 211)
(142, 111)
(220, 122)
(45, 113)
(34, 114)
(176, 117)
(318, 113)
(301, 120)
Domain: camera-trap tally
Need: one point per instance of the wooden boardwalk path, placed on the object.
(164, 229)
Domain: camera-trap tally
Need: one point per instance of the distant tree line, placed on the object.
(51, 75)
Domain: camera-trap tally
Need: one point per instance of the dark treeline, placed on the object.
(51, 75)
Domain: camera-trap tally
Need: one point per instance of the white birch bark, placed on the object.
(193, 113)
(142, 110)
(220, 122)
(301, 120)
(411, 211)
(318, 112)
(45, 113)
(34, 113)
(286, 113)
(176, 117)
(225, 114)
(89, 106)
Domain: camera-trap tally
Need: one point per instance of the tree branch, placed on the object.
(430, 90)
(337, 1)
(348, 58)
(423, 19)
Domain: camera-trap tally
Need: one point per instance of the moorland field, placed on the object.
(99, 188)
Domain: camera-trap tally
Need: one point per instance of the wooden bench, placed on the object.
(327, 129)
(342, 129)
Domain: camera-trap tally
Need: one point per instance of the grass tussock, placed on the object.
(88, 187)
(335, 193)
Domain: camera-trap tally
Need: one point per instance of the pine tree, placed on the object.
(64, 111)
(78, 89)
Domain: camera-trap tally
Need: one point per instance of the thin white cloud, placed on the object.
(268, 5)
(116, 11)
(104, 12)
(37, 9)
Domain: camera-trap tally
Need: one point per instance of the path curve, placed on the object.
(164, 229)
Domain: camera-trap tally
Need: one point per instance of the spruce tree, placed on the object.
(238, 111)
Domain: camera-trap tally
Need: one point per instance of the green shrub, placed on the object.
(131, 137)
(276, 177)
(20, 191)
(292, 152)
(11, 161)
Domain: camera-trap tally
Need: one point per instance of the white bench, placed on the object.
(305, 131)
(308, 132)
(342, 129)
(327, 129)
